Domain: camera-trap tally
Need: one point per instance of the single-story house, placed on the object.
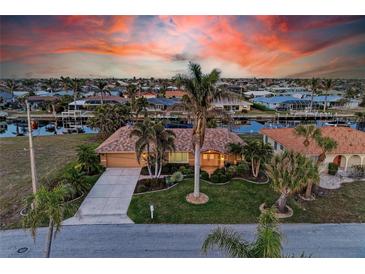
(37, 102)
(232, 104)
(119, 149)
(258, 93)
(350, 149)
(159, 104)
(175, 93)
(94, 101)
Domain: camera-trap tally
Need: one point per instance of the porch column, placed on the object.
(362, 160)
(346, 161)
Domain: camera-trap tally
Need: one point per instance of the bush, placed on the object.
(232, 170)
(150, 184)
(167, 169)
(332, 168)
(186, 171)
(357, 171)
(177, 176)
(218, 178)
(260, 107)
(75, 179)
(242, 168)
(88, 160)
(204, 175)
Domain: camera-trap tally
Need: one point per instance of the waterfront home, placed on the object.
(232, 104)
(160, 104)
(350, 149)
(258, 93)
(175, 93)
(119, 149)
(94, 101)
(39, 102)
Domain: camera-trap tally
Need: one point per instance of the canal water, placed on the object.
(12, 129)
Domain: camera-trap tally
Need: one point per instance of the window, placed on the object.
(281, 147)
(266, 139)
(178, 157)
(275, 145)
(211, 156)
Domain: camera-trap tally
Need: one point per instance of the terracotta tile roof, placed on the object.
(174, 93)
(215, 139)
(349, 140)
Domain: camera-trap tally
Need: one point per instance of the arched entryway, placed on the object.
(340, 161)
(354, 160)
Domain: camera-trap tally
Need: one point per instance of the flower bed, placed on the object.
(155, 184)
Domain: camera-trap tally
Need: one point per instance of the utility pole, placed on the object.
(31, 152)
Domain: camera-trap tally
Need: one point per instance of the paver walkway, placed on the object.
(108, 201)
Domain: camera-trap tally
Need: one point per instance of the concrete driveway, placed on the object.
(108, 201)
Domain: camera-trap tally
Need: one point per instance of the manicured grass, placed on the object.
(52, 154)
(238, 202)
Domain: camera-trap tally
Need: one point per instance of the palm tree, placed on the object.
(314, 84)
(10, 86)
(258, 154)
(49, 205)
(132, 92)
(235, 149)
(164, 141)
(103, 88)
(266, 245)
(141, 104)
(312, 175)
(309, 132)
(328, 84)
(144, 132)
(201, 91)
(327, 144)
(287, 172)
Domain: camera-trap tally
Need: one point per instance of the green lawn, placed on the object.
(238, 202)
(52, 154)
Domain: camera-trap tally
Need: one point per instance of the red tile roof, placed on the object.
(215, 139)
(349, 140)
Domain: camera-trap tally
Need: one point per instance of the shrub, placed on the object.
(88, 159)
(218, 178)
(141, 188)
(232, 170)
(75, 179)
(177, 176)
(186, 171)
(204, 175)
(357, 171)
(242, 168)
(260, 107)
(332, 168)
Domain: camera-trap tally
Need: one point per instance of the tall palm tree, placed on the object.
(49, 205)
(287, 172)
(144, 132)
(141, 105)
(314, 85)
(266, 245)
(132, 93)
(328, 84)
(102, 88)
(201, 91)
(258, 154)
(309, 132)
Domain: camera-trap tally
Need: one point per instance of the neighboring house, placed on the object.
(119, 149)
(39, 102)
(283, 102)
(232, 105)
(258, 93)
(350, 149)
(160, 104)
(149, 94)
(175, 93)
(94, 101)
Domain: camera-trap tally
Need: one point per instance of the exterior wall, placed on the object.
(347, 160)
(277, 147)
(129, 160)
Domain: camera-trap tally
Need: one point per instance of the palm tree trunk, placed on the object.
(102, 97)
(325, 102)
(281, 203)
(311, 105)
(197, 170)
(160, 170)
(308, 191)
(253, 167)
(257, 169)
(47, 249)
(156, 165)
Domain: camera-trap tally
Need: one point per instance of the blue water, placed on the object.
(40, 131)
(254, 127)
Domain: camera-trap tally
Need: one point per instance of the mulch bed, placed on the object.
(262, 178)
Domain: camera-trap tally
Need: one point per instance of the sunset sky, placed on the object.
(161, 46)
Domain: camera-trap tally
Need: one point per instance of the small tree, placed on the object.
(288, 175)
(267, 243)
(258, 154)
(87, 158)
(48, 206)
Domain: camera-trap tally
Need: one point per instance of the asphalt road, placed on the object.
(181, 241)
